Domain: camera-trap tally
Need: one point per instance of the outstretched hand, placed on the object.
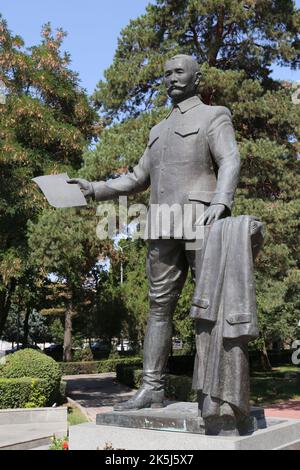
(213, 213)
(85, 186)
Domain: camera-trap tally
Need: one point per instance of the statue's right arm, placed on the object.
(136, 181)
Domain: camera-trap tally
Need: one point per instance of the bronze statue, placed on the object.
(191, 160)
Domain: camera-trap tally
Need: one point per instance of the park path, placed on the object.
(96, 393)
(289, 409)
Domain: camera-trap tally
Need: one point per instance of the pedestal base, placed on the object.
(279, 434)
(178, 416)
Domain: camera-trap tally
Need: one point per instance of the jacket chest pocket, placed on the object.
(154, 149)
(185, 144)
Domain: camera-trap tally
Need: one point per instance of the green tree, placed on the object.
(236, 43)
(45, 125)
(64, 243)
(57, 331)
(135, 289)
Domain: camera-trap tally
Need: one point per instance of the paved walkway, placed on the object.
(289, 409)
(96, 393)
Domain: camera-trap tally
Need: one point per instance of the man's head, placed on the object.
(181, 77)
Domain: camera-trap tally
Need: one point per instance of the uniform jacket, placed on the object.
(191, 159)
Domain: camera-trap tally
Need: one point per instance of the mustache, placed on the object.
(176, 87)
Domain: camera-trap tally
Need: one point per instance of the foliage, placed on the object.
(62, 391)
(45, 125)
(59, 443)
(75, 417)
(37, 327)
(135, 281)
(70, 253)
(97, 367)
(83, 355)
(83, 290)
(266, 387)
(23, 392)
(228, 36)
(57, 331)
(30, 363)
(129, 375)
(278, 385)
(110, 312)
(79, 368)
(177, 388)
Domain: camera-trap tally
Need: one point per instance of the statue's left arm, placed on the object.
(224, 150)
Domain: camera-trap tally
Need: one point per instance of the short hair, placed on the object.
(189, 58)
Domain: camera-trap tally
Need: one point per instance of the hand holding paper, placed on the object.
(59, 193)
(85, 186)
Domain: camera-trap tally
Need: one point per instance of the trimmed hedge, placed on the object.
(33, 364)
(22, 393)
(177, 388)
(98, 367)
(129, 375)
(78, 368)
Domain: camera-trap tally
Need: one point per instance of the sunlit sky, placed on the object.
(93, 28)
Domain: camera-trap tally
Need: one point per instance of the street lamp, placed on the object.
(121, 267)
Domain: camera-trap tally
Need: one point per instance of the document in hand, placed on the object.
(59, 193)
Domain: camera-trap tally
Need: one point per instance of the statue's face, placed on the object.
(180, 79)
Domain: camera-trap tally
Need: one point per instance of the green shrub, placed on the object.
(78, 368)
(98, 367)
(83, 355)
(62, 392)
(33, 364)
(130, 376)
(177, 388)
(22, 393)
(110, 365)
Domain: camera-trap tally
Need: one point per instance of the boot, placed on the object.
(144, 398)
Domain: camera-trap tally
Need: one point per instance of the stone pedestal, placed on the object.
(178, 427)
(279, 434)
(178, 416)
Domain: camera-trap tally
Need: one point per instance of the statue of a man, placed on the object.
(191, 160)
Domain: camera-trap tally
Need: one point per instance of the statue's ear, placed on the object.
(198, 78)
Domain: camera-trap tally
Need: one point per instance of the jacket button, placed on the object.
(162, 169)
(162, 191)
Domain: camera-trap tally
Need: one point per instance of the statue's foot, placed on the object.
(144, 398)
(222, 424)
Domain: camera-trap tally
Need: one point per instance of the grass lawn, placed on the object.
(280, 384)
(76, 417)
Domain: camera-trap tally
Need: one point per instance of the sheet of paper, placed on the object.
(59, 193)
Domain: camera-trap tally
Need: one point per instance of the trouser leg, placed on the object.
(167, 270)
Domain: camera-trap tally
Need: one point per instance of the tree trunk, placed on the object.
(5, 303)
(264, 358)
(67, 356)
(26, 327)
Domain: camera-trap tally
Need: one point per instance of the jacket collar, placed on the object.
(186, 105)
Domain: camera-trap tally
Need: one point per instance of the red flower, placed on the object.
(65, 445)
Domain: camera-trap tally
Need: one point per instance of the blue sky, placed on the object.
(93, 28)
